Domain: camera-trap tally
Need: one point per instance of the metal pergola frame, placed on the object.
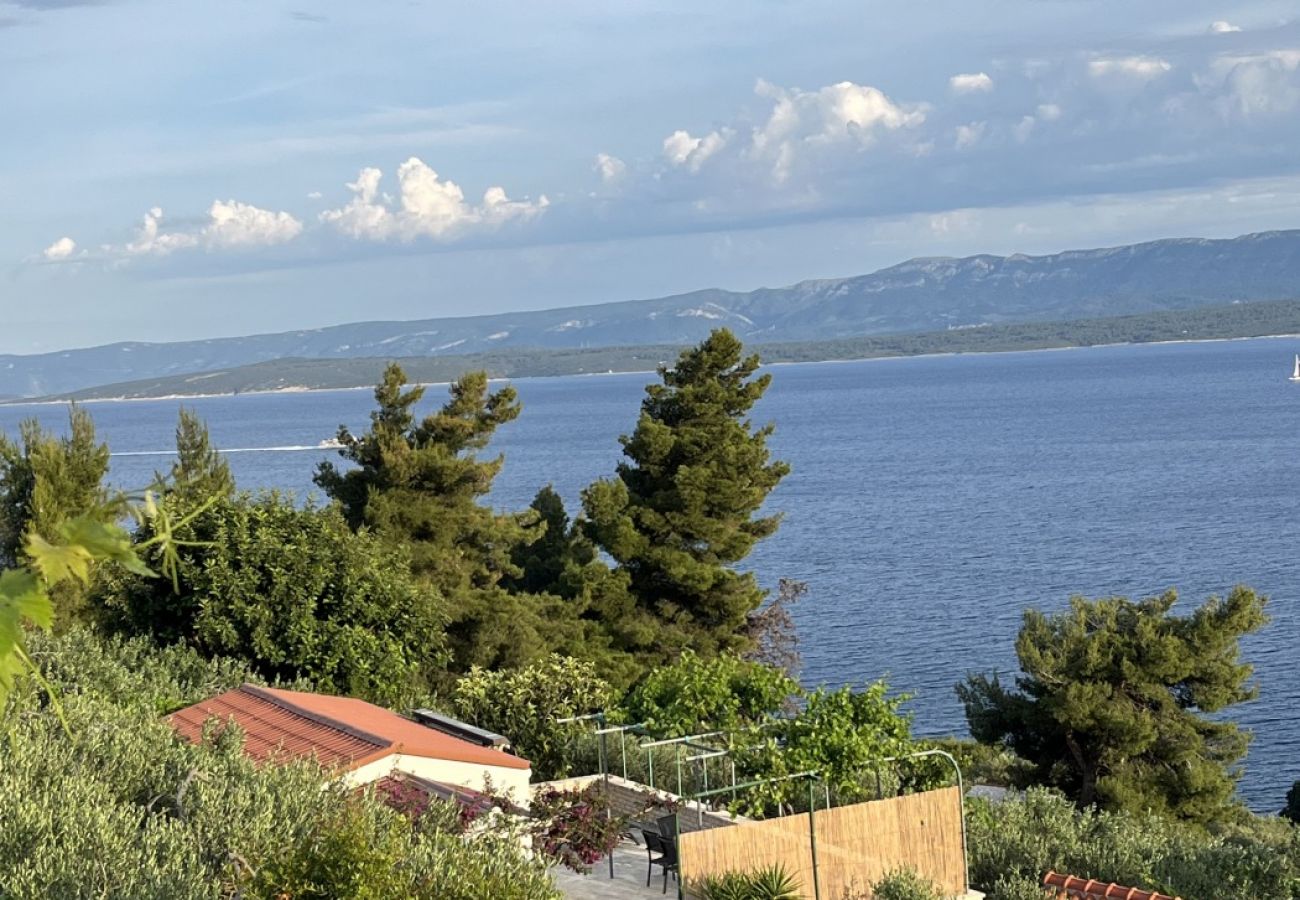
(708, 751)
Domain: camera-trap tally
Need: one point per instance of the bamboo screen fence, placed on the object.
(855, 845)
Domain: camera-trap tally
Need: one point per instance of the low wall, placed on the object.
(629, 798)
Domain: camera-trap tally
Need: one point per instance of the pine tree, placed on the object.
(46, 480)
(682, 509)
(552, 563)
(419, 483)
(1115, 702)
(199, 472)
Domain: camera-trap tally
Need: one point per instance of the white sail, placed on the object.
(1295, 374)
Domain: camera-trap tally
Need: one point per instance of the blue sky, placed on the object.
(186, 169)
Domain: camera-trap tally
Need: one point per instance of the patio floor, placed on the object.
(628, 881)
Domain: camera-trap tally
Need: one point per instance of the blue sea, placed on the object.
(932, 499)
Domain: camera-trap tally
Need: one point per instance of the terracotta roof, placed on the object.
(1068, 887)
(339, 731)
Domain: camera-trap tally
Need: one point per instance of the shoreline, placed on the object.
(299, 389)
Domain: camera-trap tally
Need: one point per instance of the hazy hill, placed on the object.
(1235, 320)
(925, 294)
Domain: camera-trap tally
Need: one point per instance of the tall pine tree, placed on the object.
(199, 473)
(683, 507)
(419, 483)
(45, 480)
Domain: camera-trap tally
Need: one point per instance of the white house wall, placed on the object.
(513, 782)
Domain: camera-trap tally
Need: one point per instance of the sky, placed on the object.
(179, 169)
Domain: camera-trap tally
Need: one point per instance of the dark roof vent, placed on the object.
(431, 718)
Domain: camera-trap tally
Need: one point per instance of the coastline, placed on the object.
(302, 389)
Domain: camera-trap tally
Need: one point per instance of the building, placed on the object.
(359, 740)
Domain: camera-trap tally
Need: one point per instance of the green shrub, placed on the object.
(296, 593)
(117, 805)
(1012, 844)
(525, 704)
(905, 884)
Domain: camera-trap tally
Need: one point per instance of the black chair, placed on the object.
(667, 858)
(667, 827)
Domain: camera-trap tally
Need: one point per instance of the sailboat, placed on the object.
(1295, 374)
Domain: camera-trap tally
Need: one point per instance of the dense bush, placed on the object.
(526, 704)
(718, 694)
(1012, 844)
(905, 884)
(117, 806)
(297, 593)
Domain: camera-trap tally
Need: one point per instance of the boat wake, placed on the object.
(291, 448)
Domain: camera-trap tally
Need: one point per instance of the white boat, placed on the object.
(1295, 374)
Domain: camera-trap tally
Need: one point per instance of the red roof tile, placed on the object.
(1068, 887)
(339, 731)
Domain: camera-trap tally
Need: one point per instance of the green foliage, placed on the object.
(724, 693)
(905, 884)
(682, 509)
(770, 883)
(524, 704)
(296, 593)
(127, 809)
(987, 763)
(1014, 842)
(199, 471)
(46, 480)
(1112, 706)
(418, 484)
(546, 565)
(839, 734)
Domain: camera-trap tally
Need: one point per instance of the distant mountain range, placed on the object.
(921, 295)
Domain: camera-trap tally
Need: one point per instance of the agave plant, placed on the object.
(769, 883)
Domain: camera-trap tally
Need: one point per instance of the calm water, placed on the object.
(932, 499)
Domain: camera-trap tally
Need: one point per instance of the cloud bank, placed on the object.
(427, 206)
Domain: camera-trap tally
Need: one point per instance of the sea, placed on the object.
(931, 499)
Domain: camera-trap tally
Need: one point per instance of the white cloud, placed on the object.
(1259, 84)
(1048, 112)
(837, 113)
(1129, 66)
(682, 150)
(234, 224)
(610, 168)
(968, 135)
(314, 195)
(1222, 27)
(970, 83)
(231, 225)
(151, 240)
(426, 206)
(60, 249)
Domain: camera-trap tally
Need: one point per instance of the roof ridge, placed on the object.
(284, 703)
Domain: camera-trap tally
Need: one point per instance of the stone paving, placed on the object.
(628, 881)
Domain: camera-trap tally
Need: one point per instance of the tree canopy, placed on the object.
(1115, 701)
(682, 509)
(418, 484)
(296, 593)
(199, 471)
(45, 481)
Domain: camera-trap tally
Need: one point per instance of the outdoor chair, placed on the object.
(667, 827)
(667, 858)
